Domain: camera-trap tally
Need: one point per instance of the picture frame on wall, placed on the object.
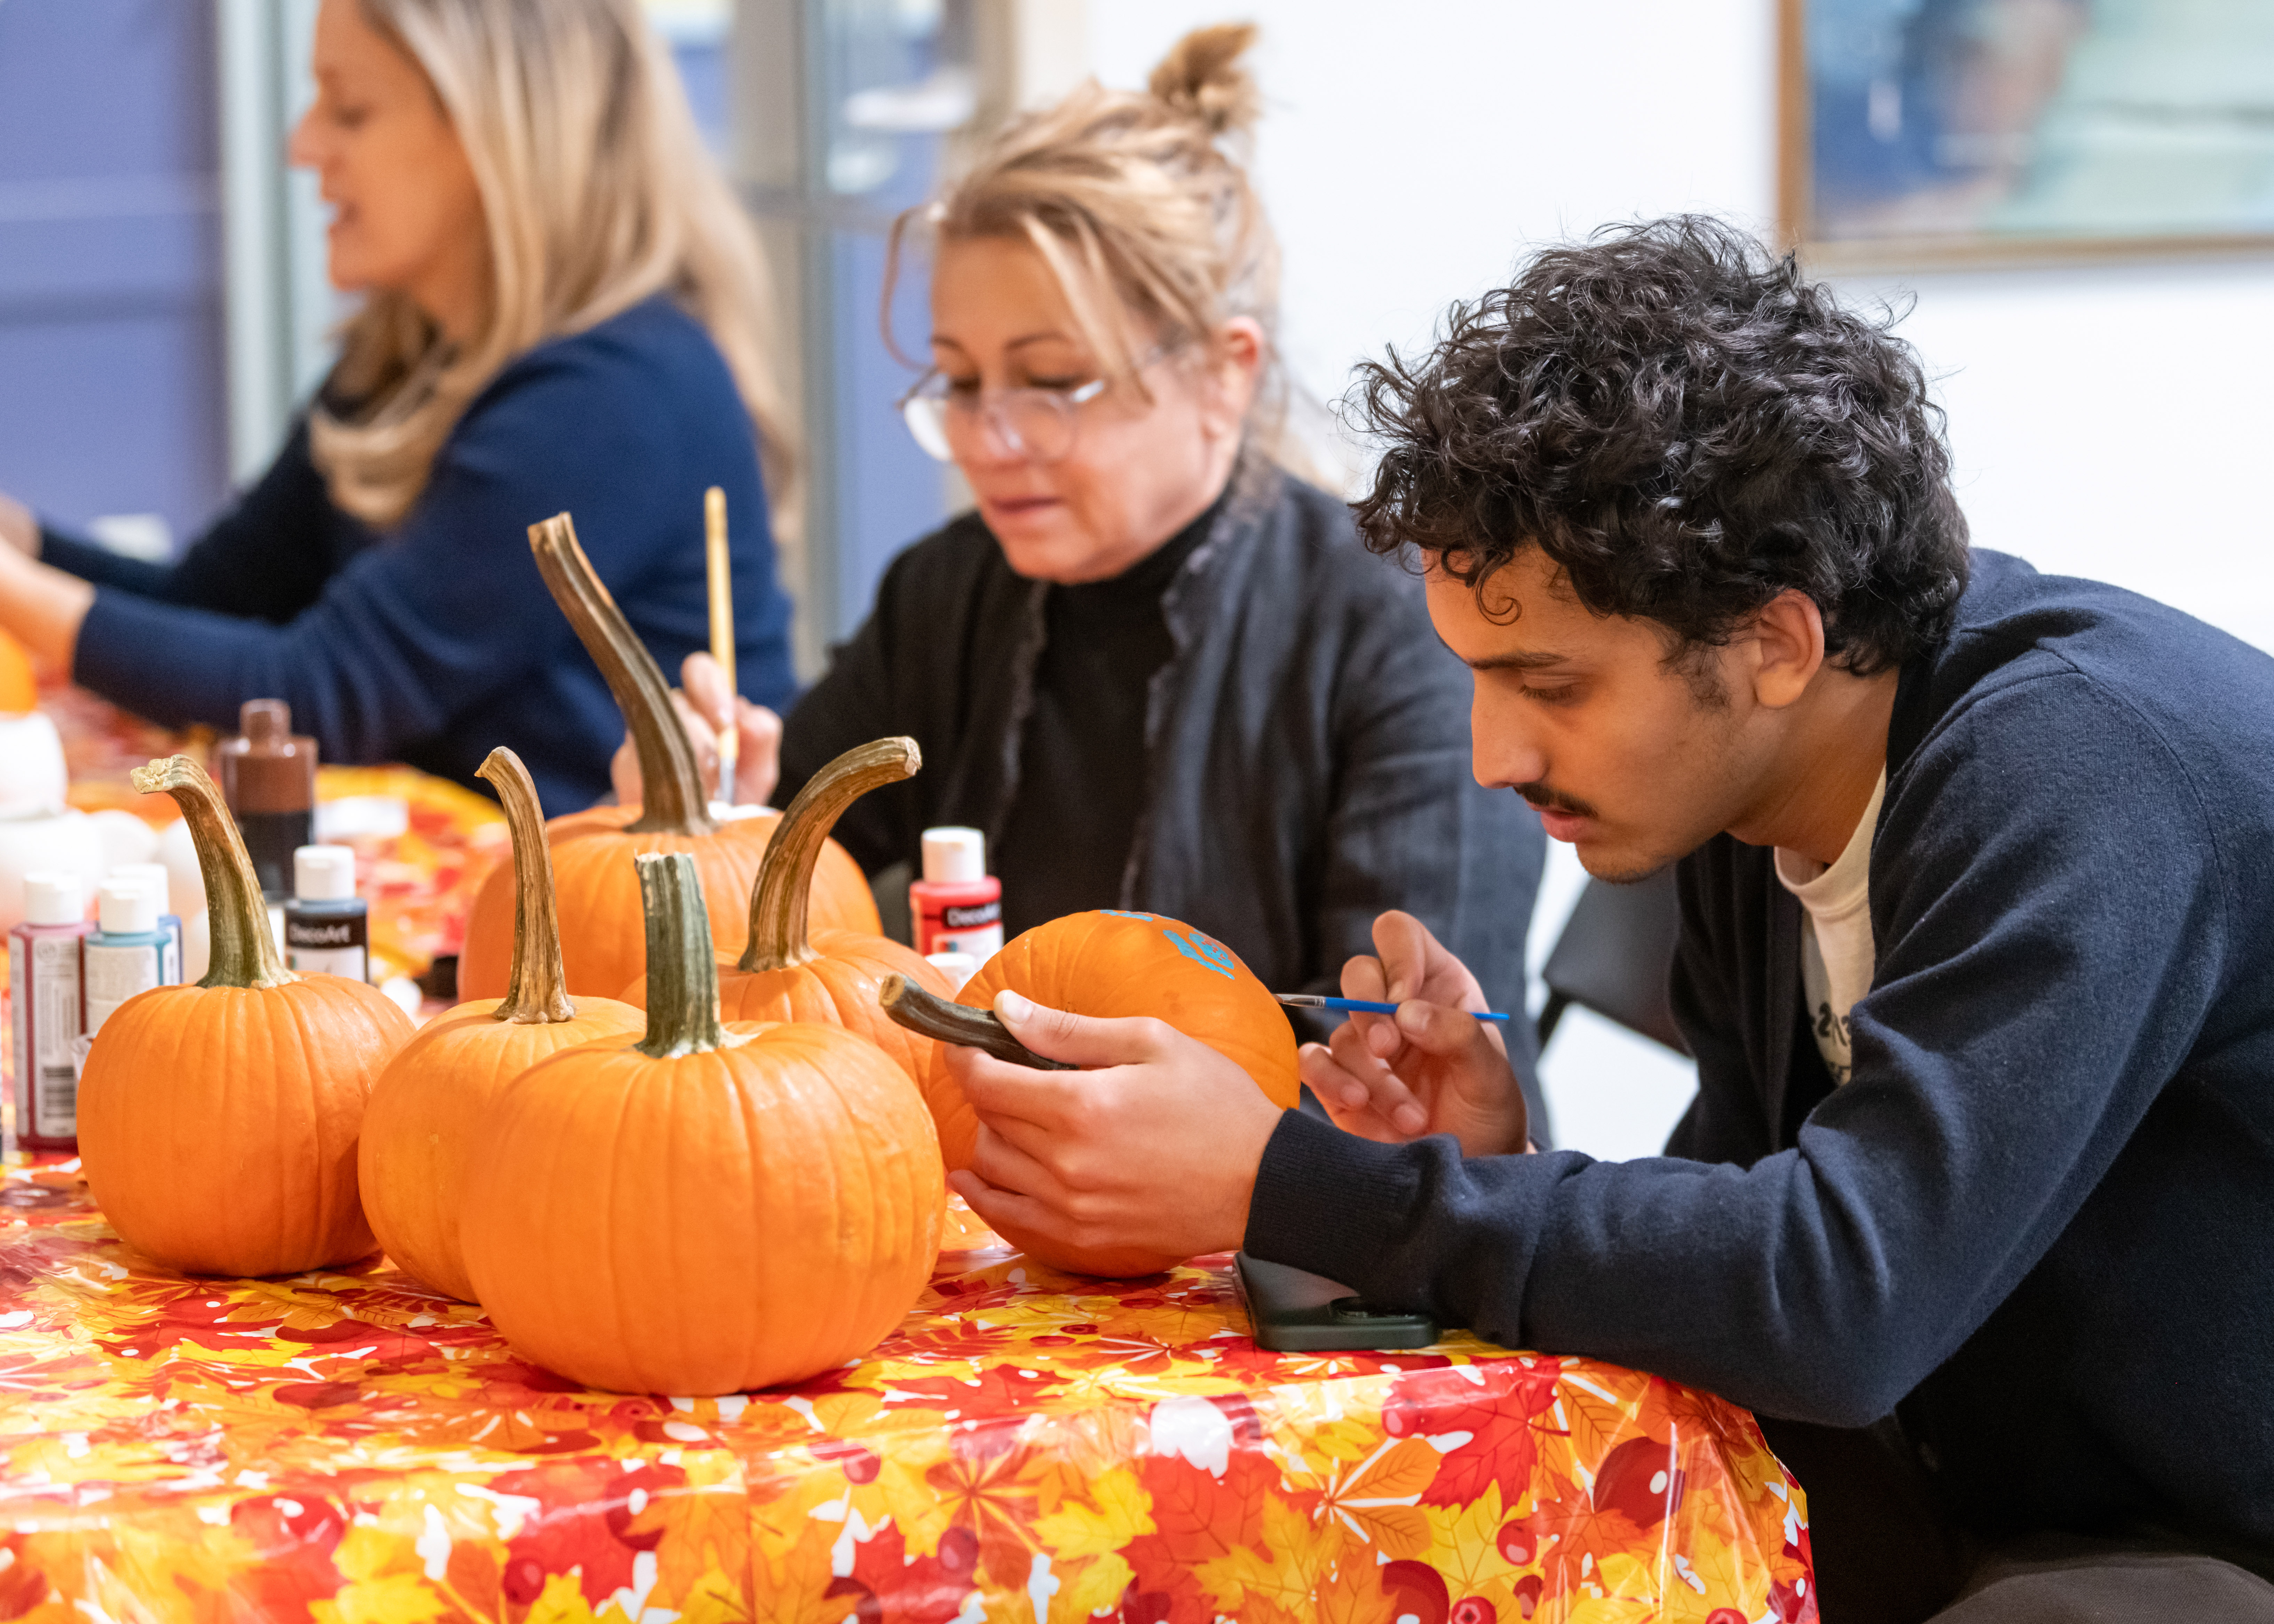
(1939, 132)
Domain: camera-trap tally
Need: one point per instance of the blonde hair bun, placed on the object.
(1144, 215)
(1201, 79)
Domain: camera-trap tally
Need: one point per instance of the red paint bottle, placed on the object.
(957, 907)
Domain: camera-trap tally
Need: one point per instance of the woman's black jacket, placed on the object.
(1308, 743)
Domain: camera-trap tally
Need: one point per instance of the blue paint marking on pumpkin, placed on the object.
(1118, 913)
(1215, 955)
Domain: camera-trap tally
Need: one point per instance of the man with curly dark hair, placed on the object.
(1975, 1205)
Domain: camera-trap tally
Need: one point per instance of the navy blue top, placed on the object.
(2038, 1223)
(436, 642)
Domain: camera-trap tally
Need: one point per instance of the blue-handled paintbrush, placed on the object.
(1313, 1001)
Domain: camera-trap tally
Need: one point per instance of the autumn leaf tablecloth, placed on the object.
(347, 1448)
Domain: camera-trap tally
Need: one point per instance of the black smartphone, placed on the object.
(1291, 1311)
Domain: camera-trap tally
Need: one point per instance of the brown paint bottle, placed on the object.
(267, 775)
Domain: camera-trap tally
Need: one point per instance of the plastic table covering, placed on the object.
(347, 1447)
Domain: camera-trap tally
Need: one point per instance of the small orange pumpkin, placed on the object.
(601, 935)
(411, 1162)
(20, 689)
(831, 976)
(1110, 964)
(217, 1123)
(773, 1192)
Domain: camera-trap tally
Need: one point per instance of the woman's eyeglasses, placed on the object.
(1036, 421)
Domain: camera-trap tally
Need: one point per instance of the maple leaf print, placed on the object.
(908, 1589)
(1282, 1573)
(581, 1503)
(293, 1540)
(1375, 1499)
(1354, 1594)
(1466, 1544)
(1088, 1586)
(694, 1531)
(1571, 1534)
(1488, 1410)
(790, 1584)
(1199, 1516)
(986, 1490)
(1117, 1511)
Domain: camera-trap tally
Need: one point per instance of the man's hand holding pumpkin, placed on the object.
(1152, 1148)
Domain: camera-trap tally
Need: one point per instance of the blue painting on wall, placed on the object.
(1972, 128)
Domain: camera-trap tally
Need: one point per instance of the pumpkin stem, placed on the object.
(537, 993)
(682, 969)
(244, 951)
(671, 787)
(778, 901)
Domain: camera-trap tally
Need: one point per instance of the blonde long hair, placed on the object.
(1139, 203)
(598, 194)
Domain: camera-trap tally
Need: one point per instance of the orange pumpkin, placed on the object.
(831, 975)
(773, 1192)
(19, 689)
(217, 1123)
(601, 935)
(411, 1164)
(1111, 964)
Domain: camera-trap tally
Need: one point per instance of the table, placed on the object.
(348, 1448)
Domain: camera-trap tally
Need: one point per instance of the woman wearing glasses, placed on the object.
(1157, 669)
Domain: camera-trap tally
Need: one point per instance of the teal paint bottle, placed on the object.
(154, 877)
(125, 955)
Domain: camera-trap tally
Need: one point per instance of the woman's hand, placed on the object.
(42, 607)
(1154, 1151)
(703, 704)
(19, 527)
(1432, 1067)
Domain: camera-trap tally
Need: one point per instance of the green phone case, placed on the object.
(1291, 1311)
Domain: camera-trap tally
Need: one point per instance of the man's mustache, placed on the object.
(1543, 799)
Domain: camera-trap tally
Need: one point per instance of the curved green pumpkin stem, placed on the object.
(537, 990)
(244, 951)
(683, 968)
(671, 787)
(778, 901)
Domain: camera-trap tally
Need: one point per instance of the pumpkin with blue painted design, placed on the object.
(1108, 963)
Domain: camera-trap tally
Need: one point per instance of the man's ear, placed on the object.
(1788, 647)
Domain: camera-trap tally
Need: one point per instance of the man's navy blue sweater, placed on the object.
(436, 642)
(2038, 1223)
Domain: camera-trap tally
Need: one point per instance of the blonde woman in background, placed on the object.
(1155, 667)
(563, 308)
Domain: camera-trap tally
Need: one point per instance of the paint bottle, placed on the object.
(957, 907)
(154, 877)
(326, 926)
(958, 968)
(267, 775)
(44, 1010)
(126, 953)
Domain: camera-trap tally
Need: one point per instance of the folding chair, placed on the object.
(1614, 956)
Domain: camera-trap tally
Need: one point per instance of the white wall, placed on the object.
(2110, 421)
